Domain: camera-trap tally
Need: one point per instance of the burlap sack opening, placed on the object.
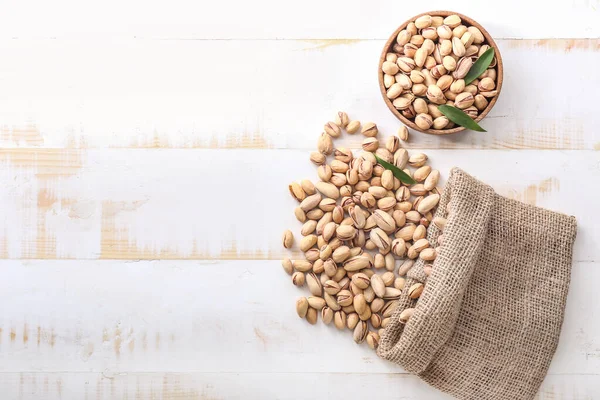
(488, 321)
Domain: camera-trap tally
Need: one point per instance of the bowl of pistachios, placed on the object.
(440, 72)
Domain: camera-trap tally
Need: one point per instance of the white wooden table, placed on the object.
(145, 155)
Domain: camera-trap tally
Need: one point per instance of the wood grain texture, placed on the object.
(221, 386)
(163, 94)
(227, 317)
(270, 19)
(233, 204)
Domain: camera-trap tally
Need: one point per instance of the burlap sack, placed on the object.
(488, 321)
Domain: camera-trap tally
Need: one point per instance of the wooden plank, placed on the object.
(215, 204)
(204, 386)
(233, 317)
(271, 94)
(271, 19)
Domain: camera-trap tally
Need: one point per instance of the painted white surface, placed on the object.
(132, 131)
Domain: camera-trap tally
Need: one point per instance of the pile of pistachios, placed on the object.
(362, 230)
(427, 66)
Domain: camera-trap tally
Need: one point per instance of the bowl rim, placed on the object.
(390, 42)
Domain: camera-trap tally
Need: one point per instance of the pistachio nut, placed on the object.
(288, 239)
(486, 84)
(406, 232)
(361, 280)
(357, 263)
(377, 305)
(472, 50)
(371, 143)
(316, 302)
(391, 293)
(341, 254)
(459, 31)
(381, 239)
(310, 202)
(419, 233)
(423, 21)
(420, 106)
(440, 122)
(432, 180)
(435, 95)
(366, 315)
(360, 304)
(415, 77)
(388, 80)
(379, 261)
(405, 267)
(424, 121)
(467, 39)
(446, 47)
(472, 111)
(413, 216)
(478, 37)
(302, 307)
(417, 160)
(399, 283)
(401, 103)
(433, 110)
(308, 187)
(317, 158)
(399, 216)
(449, 63)
(307, 242)
(377, 285)
(339, 320)
(369, 129)
(406, 314)
(325, 144)
(314, 284)
(409, 50)
(357, 215)
(414, 292)
(327, 315)
(386, 203)
(387, 179)
(398, 247)
(312, 255)
(419, 89)
(428, 254)
(444, 82)
(444, 32)
(458, 86)
(405, 64)
(345, 232)
(352, 320)
(389, 308)
(480, 102)
(360, 332)
(298, 279)
(344, 298)
(287, 265)
(353, 127)
(464, 100)
(462, 67)
(403, 37)
(389, 68)
(458, 47)
(438, 71)
(332, 129)
(439, 223)
(491, 93)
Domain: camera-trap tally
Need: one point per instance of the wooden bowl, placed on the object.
(388, 48)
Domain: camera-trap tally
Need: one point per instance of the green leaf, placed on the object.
(398, 173)
(480, 65)
(459, 117)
